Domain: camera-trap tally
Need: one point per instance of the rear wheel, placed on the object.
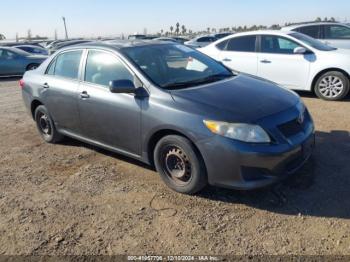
(180, 165)
(332, 86)
(32, 67)
(46, 126)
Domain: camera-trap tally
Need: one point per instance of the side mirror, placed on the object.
(300, 50)
(122, 86)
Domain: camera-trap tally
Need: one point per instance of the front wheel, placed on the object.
(180, 165)
(332, 86)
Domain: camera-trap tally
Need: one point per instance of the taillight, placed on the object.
(21, 83)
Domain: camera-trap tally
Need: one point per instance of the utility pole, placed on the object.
(65, 26)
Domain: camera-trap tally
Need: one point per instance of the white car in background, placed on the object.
(201, 41)
(290, 59)
(330, 33)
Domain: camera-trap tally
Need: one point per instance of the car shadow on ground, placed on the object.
(308, 94)
(72, 142)
(320, 188)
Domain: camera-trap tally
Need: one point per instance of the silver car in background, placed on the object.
(331, 33)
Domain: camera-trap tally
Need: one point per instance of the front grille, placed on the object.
(293, 127)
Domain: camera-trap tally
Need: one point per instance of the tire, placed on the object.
(180, 165)
(32, 67)
(46, 126)
(332, 86)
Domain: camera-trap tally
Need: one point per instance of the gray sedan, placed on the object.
(171, 106)
(14, 62)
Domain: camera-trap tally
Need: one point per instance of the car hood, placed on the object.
(241, 98)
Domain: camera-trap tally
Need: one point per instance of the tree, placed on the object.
(208, 29)
(171, 29)
(2, 37)
(318, 19)
(332, 19)
(183, 29)
(161, 32)
(29, 34)
(325, 19)
(177, 30)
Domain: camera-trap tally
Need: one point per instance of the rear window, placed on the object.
(66, 65)
(242, 44)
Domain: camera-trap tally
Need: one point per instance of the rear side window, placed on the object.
(313, 31)
(336, 32)
(102, 67)
(277, 45)
(222, 45)
(242, 44)
(66, 65)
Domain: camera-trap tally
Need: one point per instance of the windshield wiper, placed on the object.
(208, 79)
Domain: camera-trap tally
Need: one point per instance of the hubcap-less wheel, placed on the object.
(176, 165)
(44, 124)
(331, 86)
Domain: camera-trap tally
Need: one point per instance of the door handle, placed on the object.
(226, 60)
(46, 85)
(265, 61)
(84, 94)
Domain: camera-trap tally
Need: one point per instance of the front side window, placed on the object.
(313, 31)
(66, 65)
(336, 32)
(176, 66)
(277, 45)
(312, 42)
(242, 44)
(102, 67)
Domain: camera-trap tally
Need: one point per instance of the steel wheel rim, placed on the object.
(176, 165)
(331, 86)
(44, 124)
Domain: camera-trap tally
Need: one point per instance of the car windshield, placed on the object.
(312, 42)
(176, 66)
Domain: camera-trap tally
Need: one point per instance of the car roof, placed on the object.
(298, 25)
(259, 32)
(119, 44)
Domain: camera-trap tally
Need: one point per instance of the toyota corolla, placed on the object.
(173, 107)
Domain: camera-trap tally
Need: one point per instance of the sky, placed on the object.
(93, 18)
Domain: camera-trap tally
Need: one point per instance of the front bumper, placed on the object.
(240, 169)
(244, 166)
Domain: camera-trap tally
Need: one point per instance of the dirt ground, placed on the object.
(73, 198)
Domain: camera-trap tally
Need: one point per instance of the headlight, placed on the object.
(239, 131)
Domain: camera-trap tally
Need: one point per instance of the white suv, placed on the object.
(290, 59)
(330, 33)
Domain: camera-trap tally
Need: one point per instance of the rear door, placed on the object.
(337, 36)
(60, 90)
(239, 53)
(278, 63)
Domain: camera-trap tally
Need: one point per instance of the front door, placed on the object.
(278, 63)
(109, 118)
